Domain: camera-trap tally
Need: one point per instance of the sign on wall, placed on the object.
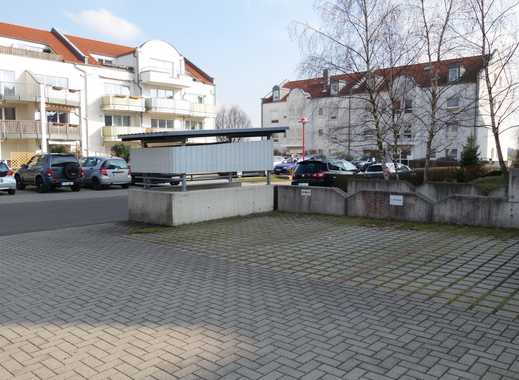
(396, 200)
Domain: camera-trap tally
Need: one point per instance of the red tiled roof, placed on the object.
(316, 87)
(37, 36)
(85, 45)
(89, 47)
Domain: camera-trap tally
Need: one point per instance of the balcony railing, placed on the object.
(164, 78)
(30, 92)
(180, 107)
(19, 91)
(111, 133)
(122, 103)
(63, 96)
(29, 53)
(31, 129)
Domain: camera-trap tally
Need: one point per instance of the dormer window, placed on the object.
(275, 94)
(454, 73)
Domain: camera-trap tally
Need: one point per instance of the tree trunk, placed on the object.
(428, 148)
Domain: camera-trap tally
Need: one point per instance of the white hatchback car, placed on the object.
(7, 181)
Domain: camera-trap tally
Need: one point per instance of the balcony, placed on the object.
(165, 78)
(180, 107)
(30, 92)
(122, 103)
(31, 129)
(62, 96)
(111, 134)
(19, 92)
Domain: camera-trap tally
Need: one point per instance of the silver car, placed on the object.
(102, 172)
(7, 181)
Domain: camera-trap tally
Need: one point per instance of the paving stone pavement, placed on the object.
(230, 300)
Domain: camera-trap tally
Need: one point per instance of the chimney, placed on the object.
(326, 80)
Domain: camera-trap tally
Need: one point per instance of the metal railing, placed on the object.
(29, 53)
(19, 91)
(31, 129)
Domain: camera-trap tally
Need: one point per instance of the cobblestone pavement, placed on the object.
(263, 297)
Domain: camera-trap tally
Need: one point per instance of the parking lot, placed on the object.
(272, 296)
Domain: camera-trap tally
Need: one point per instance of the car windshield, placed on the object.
(115, 164)
(61, 160)
(89, 162)
(311, 167)
(3, 167)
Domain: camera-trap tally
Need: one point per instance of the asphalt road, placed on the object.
(29, 211)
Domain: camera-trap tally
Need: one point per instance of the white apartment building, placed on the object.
(58, 89)
(339, 122)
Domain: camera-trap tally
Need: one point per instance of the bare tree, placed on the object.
(494, 37)
(436, 20)
(232, 118)
(351, 40)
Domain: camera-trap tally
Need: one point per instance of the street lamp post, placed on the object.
(303, 121)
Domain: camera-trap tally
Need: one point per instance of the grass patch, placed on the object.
(488, 184)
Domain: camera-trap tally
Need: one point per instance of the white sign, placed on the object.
(306, 193)
(396, 200)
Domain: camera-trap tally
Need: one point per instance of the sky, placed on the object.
(244, 44)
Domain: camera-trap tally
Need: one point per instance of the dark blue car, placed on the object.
(285, 168)
(50, 171)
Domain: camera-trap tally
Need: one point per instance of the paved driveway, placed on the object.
(278, 296)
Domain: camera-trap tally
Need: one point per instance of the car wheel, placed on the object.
(19, 182)
(125, 186)
(41, 186)
(11, 191)
(96, 184)
(75, 188)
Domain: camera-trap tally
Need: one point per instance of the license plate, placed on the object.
(302, 184)
(67, 183)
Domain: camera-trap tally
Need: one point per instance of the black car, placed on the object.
(319, 173)
(50, 171)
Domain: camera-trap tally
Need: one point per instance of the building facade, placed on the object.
(58, 89)
(340, 121)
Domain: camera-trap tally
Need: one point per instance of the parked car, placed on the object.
(377, 170)
(277, 160)
(286, 167)
(50, 171)
(363, 162)
(102, 172)
(7, 181)
(346, 166)
(318, 173)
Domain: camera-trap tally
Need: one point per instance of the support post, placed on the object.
(184, 182)
(43, 120)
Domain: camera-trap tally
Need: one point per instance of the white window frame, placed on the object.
(454, 73)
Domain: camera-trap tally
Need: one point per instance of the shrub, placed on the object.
(470, 153)
(121, 150)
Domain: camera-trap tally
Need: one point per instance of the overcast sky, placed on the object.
(244, 44)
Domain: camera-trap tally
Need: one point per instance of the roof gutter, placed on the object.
(75, 50)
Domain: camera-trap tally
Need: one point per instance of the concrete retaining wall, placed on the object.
(176, 208)
(442, 190)
(354, 185)
(320, 200)
(477, 211)
(376, 204)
